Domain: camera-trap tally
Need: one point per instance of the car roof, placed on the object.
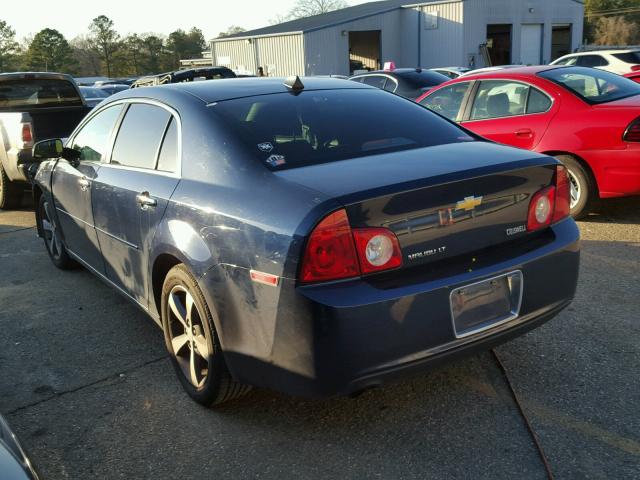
(595, 52)
(211, 91)
(37, 75)
(518, 71)
(395, 71)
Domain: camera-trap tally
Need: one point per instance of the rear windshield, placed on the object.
(36, 93)
(628, 57)
(592, 85)
(423, 79)
(287, 131)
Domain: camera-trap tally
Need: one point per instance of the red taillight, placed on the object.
(27, 134)
(632, 134)
(378, 249)
(563, 195)
(635, 68)
(330, 252)
(335, 251)
(551, 204)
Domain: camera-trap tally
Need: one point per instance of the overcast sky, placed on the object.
(164, 16)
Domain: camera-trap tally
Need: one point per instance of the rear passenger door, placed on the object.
(509, 112)
(132, 190)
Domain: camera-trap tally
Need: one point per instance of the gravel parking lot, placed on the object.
(86, 383)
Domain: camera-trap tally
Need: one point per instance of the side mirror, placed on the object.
(53, 148)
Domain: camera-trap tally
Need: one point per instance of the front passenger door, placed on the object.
(132, 192)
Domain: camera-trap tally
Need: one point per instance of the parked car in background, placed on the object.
(451, 72)
(615, 61)
(494, 68)
(93, 96)
(112, 88)
(635, 76)
(14, 462)
(312, 236)
(179, 76)
(33, 106)
(406, 82)
(587, 118)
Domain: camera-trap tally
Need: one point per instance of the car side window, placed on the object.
(538, 102)
(592, 61)
(448, 100)
(168, 158)
(499, 98)
(92, 141)
(375, 80)
(139, 136)
(390, 85)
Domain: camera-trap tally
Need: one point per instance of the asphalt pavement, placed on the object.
(86, 383)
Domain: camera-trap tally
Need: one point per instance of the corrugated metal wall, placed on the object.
(326, 51)
(480, 13)
(442, 46)
(280, 55)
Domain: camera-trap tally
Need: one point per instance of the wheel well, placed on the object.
(161, 267)
(581, 161)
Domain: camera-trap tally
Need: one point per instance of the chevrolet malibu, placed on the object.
(312, 236)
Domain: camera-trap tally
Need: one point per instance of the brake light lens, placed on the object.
(335, 251)
(378, 249)
(27, 134)
(330, 252)
(632, 134)
(541, 209)
(563, 195)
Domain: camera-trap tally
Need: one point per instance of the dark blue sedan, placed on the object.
(313, 236)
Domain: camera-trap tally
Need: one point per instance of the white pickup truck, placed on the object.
(33, 107)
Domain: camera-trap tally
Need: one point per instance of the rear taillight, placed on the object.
(27, 133)
(632, 133)
(334, 251)
(378, 249)
(635, 68)
(551, 204)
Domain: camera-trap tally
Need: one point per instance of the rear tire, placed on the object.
(583, 189)
(10, 192)
(51, 236)
(192, 341)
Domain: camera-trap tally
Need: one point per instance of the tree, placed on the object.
(86, 57)
(614, 31)
(308, 8)
(152, 53)
(595, 10)
(181, 45)
(133, 51)
(49, 51)
(105, 39)
(232, 30)
(9, 48)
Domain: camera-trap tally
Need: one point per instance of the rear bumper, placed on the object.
(617, 171)
(346, 336)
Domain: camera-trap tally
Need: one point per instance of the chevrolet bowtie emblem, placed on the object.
(469, 203)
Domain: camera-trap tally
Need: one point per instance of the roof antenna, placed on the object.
(294, 84)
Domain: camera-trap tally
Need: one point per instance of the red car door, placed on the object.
(509, 112)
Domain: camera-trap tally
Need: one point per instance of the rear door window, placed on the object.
(448, 100)
(628, 57)
(499, 98)
(168, 158)
(287, 131)
(139, 136)
(375, 80)
(538, 102)
(592, 61)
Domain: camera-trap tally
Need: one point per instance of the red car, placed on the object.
(635, 76)
(587, 118)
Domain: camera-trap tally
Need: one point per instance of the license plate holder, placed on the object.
(486, 304)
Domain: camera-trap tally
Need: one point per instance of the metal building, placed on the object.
(437, 33)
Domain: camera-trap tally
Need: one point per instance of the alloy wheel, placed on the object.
(188, 336)
(51, 235)
(575, 189)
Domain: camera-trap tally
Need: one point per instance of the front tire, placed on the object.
(582, 187)
(193, 343)
(51, 236)
(10, 192)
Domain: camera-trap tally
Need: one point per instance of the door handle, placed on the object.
(524, 132)
(145, 200)
(84, 183)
